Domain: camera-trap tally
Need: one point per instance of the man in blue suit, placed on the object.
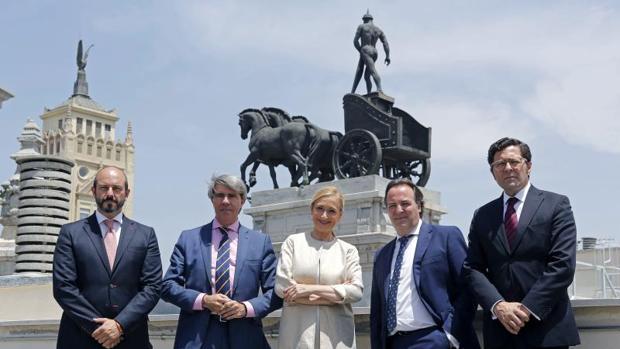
(107, 273)
(418, 299)
(222, 276)
(522, 257)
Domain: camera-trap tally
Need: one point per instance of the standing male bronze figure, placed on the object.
(365, 41)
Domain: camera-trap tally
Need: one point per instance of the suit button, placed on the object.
(113, 286)
(114, 305)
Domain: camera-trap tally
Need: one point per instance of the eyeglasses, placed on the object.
(501, 164)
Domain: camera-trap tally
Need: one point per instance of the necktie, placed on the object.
(222, 265)
(393, 287)
(110, 242)
(511, 221)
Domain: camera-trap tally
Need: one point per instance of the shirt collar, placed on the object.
(233, 227)
(100, 217)
(520, 195)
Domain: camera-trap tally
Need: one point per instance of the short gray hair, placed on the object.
(229, 181)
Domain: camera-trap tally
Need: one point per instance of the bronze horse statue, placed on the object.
(279, 139)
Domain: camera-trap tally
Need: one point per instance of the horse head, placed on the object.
(246, 121)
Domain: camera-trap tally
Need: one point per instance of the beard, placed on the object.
(109, 205)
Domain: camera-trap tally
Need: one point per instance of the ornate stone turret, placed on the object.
(30, 145)
(82, 130)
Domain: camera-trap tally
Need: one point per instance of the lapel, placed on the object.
(205, 249)
(497, 225)
(128, 232)
(424, 240)
(384, 267)
(242, 251)
(533, 200)
(92, 230)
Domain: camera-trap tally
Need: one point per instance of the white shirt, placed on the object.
(520, 196)
(118, 222)
(411, 314)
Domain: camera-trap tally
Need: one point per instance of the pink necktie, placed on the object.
(110, 242)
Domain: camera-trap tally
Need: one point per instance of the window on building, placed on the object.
(57, 146)
(118, 155)
(98, 150)
(78, 126)
(80, 146)
(89, 127)
(89, 149)
(98, 129)
(60, 124)
(108, 127)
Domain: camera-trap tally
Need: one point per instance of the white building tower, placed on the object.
(84, 132)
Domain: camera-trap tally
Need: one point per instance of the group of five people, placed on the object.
(426, 283)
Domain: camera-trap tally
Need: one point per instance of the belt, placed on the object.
(409, 333)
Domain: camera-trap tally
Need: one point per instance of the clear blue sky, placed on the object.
(546, 72)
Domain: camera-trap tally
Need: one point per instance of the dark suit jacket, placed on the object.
(189, 275)
(536, 272)
(437, 264)
(86, 288)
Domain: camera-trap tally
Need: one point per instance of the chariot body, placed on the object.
(381, 138)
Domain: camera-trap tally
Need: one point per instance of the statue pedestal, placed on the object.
(364, 223)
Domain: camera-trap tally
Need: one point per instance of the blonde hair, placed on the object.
(330, 191)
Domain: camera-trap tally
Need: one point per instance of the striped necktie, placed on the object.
(222, 265)
(511, 221)
(393, 287)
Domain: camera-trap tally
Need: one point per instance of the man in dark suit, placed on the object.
(418, 298)
(521, 258)
(222, 276)
(107, 273)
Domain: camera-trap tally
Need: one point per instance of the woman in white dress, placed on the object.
(319, 276)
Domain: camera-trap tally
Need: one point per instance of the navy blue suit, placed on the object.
(189, 275)
(437, 264)
(86, 288)
(536, 272)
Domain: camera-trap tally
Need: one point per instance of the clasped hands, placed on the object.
(223, 306)
(296, 291)
(512, 315)
(108, 334)
(310, 292)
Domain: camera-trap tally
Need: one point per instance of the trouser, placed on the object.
(217, 334)
(426, 338)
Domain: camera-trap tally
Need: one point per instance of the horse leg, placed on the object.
(250, 159)
(272, 173)
(253, 174)
(300, 161)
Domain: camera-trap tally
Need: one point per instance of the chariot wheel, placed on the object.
(357, 154)
(417, 170)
